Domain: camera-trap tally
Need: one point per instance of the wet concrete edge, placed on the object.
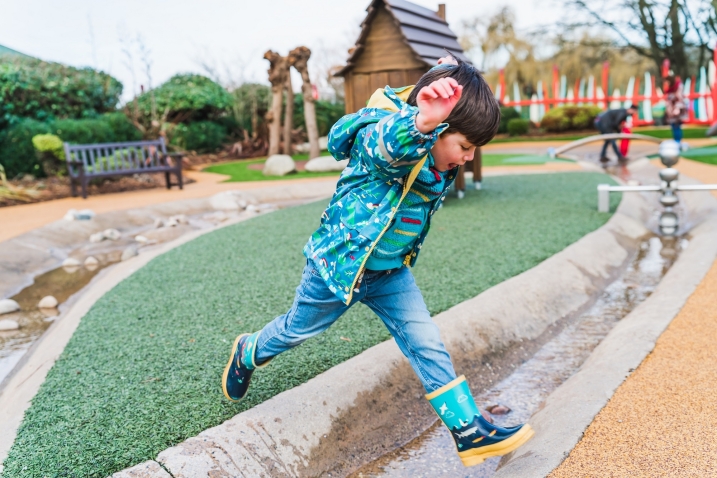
(568, 411)
(25, 380)
(358, 409)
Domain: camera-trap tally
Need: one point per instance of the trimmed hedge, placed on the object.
(187, 98)
(202, 136)
(506, 114)
(17, 154)
(31, 88)
(518, 126)
(568, 118)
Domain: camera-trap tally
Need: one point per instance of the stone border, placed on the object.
(570, 409)
(30, 254)
(25, 380)
(275, 439)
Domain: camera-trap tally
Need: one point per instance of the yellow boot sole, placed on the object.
(225, 375)
(479, 455)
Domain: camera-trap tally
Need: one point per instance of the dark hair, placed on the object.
(633, 106)
(477, 114)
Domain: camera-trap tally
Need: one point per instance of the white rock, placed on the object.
(171, 222)
(84, 215)
(279, 165)
(7, 324)
(111, 234)
(97, 237)
(47, 302)
(219, 216)
(8, 305)
(325, 163)
(231, 201)
(158, 223)
(141, 239)
(91, 261)
(305, 147)
(70, 262)
(70, 215)
(129, 253)
(180, 219)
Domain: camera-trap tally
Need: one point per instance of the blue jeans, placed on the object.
(393, 295)
(677, 131)
(613, 143)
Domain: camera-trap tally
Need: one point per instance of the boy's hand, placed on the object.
(435, 102)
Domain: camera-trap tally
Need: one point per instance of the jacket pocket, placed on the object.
(359, 213)
(402, 234)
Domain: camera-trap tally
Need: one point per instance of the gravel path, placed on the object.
(661, 421)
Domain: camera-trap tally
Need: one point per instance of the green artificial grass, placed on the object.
(666, 132)
(490, 159)
(240, 171)
(142, 371)
(707, 154)
(657, 132)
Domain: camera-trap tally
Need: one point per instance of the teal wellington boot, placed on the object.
(237, 374)
(476, 438)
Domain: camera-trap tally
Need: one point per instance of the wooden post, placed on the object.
(461, 181)
(288, 116)
(278, 69)
(299, 58)
(714, 90)
(478, 168)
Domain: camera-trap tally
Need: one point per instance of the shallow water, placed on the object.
(433, 453)
(61, 283)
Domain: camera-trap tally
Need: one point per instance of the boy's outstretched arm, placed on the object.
(394, 145)
(399, 141)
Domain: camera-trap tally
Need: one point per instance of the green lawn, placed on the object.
(142, 371)
(707, 154)
(657, 132)
(490, 159)
(240, 171)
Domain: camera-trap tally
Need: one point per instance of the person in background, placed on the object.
(675, 108)
(613, 121)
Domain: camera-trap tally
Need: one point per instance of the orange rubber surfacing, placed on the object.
(662, 421)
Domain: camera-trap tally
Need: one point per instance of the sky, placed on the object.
(128, 38)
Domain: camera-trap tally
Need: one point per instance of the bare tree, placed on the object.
(288, 115)
(299, 58)
(278, 71)
(678, 30)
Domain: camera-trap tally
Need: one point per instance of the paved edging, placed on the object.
(24, 383)
(274, 438)
(568, 411)
(25, 256)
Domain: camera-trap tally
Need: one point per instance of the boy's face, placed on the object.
(451, 150)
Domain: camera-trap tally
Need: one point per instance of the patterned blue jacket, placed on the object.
(386, 152)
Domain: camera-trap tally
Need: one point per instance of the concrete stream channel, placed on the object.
(528, 336)
(522, 392)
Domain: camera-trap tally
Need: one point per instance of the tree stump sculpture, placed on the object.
(298, 58)
(288, 115)
(278, 71)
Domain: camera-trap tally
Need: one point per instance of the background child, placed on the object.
(405, 149)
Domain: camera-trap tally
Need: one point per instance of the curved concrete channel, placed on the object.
(381, 408)
(354, 422)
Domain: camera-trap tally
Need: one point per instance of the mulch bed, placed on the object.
(56, 188)
(48, 189)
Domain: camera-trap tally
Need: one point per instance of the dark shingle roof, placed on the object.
(423, 30)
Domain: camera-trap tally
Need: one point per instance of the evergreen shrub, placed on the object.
(201, 136)
(569, 118)
(506, 114)
(518, 126)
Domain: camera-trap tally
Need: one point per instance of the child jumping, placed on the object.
(405, 149)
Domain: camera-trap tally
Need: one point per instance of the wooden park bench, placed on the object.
(103, 160)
